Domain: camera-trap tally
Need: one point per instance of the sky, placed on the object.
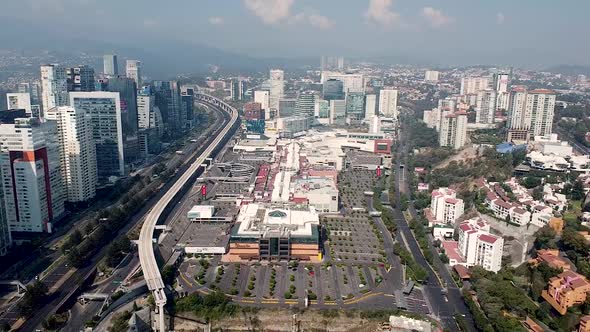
(537, 32)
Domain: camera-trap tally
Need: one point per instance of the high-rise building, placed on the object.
(34, 91)
(331, 63)
(31, 174)
(322, 111)
(447, 104)
(388, 103)
(80, 78)
(338, 111)
(478, 246)
(127, 89)
(5, 236)
(355, 105)
(431, 76)
(333, 89)
(370, 106)
(305, 104)
(187, 100)
(485, 106)
(77, 152)
(453, 129)
(169, 103)
(530, 113)
(351, 82)
(432, 118)
(471, 85)
(19, 101)
(145, 105)
(237, 89)
(111, 67)
(133, 71)
(104, 109)
(54, 85)
(263, 97)
(277, 88)
(286, 108)
(501, 82)
(23, 88)
(445, 206)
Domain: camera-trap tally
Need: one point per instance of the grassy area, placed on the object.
(573, 212)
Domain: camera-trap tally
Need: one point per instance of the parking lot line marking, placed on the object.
(186, 280)
(366, 296)
(389, 295)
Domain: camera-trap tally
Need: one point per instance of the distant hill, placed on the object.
(570, 70)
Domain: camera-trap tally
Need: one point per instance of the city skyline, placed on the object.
(423, 32)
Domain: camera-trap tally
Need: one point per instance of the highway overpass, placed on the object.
(149, 265)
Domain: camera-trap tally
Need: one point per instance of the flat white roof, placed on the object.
(263, 219)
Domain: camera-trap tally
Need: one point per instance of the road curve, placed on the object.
(149, 265)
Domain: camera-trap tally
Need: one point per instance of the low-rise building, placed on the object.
(319, 192)
(275, 232)
(566, 290)
(552, 258)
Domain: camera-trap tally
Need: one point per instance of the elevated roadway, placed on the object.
(149, 264)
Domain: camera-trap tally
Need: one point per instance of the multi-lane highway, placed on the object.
(73, 279)
(149, 265)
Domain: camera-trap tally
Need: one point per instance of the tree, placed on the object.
(168, 274)
(538, 194)
(121, 322)
(75, 258)
(545, 238)
(574, 241)
(578, 191)
(531, 182)
(33, 299)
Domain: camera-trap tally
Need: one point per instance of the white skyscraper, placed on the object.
(431, 76)
(30, 174)
(530, 113)
(370, 106)
(501, 83)
(453, 129)
(77, 152)
(351, 82)
(104, 109)
(485, 106)
(277, 88)
(133, 71)
(145, 104)
(471, 85)
(111, 67)
(54, 86)
(263, 97)
(19, 101)
(388, 102)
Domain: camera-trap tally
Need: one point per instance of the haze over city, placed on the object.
(532, 33)
(294, 165)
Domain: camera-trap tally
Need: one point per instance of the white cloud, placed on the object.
(380, 12)
(278, 11)
(436, 17)
(320, 21)
(216, 20)
(500, 18)
(270, 11)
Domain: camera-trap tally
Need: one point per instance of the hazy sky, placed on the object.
(440, 31)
